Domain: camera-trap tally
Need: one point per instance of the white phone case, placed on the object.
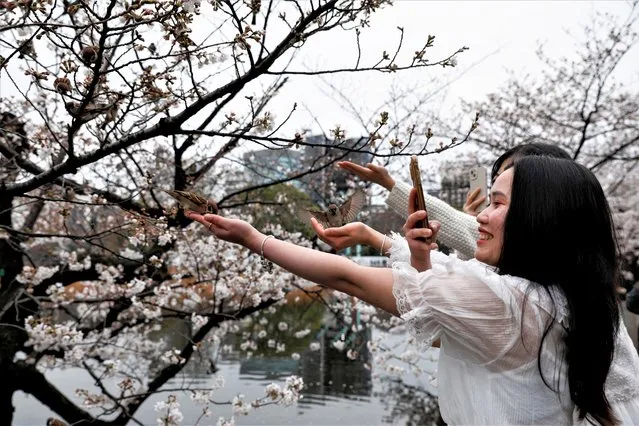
(477, 178)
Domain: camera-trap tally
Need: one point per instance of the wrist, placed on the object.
(254, 240)
(390, 183)
(384, 245)
(267, 265)
(368, 236)
(421, 264)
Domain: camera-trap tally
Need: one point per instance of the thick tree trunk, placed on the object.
(6, 394)
(31, 381)
(12, 338)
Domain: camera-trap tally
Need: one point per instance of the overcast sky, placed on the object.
(501, 35)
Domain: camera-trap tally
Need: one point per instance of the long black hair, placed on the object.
(525, 150)
(559, 232)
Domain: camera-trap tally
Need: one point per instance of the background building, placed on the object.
(268, 165)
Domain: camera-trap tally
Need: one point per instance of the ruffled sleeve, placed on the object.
(476, 310)
(622, 384)
(399, 251)
(412, 304)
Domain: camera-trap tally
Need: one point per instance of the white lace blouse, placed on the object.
(487, 372)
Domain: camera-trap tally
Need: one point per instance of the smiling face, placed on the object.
(491, 220)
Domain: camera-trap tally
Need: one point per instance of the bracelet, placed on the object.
(381, 250)
(266, 264)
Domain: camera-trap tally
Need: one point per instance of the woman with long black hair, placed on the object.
(530, 329)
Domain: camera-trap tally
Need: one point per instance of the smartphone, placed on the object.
(477, 178)
(420, 203)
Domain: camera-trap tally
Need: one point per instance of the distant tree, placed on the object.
(410, 403)
(277, 204)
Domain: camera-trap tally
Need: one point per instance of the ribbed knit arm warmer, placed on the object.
(458, 229)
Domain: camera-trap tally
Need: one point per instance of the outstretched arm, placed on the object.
(371, 172)
(373, 285)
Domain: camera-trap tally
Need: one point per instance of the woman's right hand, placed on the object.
(344, 236)
(420, 240)
(372, 173)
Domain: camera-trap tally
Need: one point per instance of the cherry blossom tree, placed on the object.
(106, 103)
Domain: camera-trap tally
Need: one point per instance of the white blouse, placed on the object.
(488, 371)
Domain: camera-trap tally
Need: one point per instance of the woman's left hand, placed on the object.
(474, 202)
(341, 237)
(231, 230)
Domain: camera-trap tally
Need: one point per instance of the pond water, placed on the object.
(337, 390)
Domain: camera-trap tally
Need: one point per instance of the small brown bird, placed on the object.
(62, 85)
(89, 54)
(194, 202)
(90, 112)
(55, 422)
(336, 215)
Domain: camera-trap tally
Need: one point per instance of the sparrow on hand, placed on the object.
(334, 215)
(194, 202)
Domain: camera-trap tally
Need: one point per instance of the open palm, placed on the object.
(232, 230)
(341, 237)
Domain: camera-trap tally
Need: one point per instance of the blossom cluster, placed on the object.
(45, 335)
(171, 414)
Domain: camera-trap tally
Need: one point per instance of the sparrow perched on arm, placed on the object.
(336, 215)
(192, 201)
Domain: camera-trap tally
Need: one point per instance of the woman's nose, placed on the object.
(482, 217)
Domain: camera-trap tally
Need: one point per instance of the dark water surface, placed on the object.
(337, 390)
